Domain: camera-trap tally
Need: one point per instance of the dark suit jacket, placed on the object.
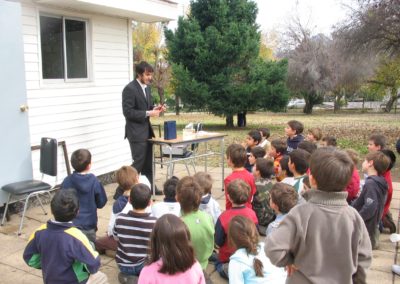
(134, 106)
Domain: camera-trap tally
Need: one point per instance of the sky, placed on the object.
(320, 15)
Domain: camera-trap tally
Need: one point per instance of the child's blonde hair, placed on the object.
(126, 177)
(242, 233)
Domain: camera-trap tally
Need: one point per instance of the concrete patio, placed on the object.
(14, 270)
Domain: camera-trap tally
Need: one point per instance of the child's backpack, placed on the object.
(260, 203)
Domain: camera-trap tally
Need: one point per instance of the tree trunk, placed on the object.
(229, 121)
(392, 99)
(308, 108)
(162, 97)
(176, 105)
(336, 105)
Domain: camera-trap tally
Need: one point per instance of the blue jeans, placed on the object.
(131, 270)
(222, 269)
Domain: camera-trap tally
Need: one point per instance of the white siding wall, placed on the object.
(86, 114)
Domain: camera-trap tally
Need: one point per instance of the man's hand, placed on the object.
(290, 269)
(155, 112)
(162, 107)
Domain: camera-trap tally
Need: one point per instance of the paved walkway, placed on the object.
(14, 270)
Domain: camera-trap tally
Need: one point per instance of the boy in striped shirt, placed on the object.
(132, 231)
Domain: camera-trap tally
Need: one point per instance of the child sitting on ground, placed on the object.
(314, 135)
(304, 241)
(91, 193)
(61, 250)
(238, 193)
(293, 132)
(285, 175)
(252, 140)
(283, 197)
(126, 177)
(329, 141)
(298, 165)
(276, 152)
(169, 205)
(265, 133)
(236, 156)
(372, 199)
(171, 258)
(208, 204)
(353, 188)
(200, 224)
(249, 264)
(263, 171)
(132, 231)
(255, 153)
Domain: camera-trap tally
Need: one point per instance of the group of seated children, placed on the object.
(294, 192)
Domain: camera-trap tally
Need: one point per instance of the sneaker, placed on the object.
(396, 269)
(387, 221)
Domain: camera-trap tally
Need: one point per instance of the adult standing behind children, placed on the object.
(91, 193)
(137, 107)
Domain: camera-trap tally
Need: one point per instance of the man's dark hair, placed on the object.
(284, 162)
(279, 145)
(258, 152)
(256, 135)
(80, 159)
(265, 167)
(237, 154)
(308, 146)
(140, 196)
(189, 194)
(381, 161)
(169, 188)
(142, 67)
(330, 141)
(265, 132)
(379, 140)
(300, 159)
(284, 196)
(331, 168)
(238, 191)
(296, 125)
(65, 205)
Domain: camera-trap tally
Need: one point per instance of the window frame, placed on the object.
(65, 80)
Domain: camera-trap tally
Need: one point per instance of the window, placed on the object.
(64, 48)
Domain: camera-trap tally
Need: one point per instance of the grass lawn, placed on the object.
(351, 129)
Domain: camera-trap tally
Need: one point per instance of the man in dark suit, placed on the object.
(137, 106)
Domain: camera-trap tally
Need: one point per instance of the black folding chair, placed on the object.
(34, 188)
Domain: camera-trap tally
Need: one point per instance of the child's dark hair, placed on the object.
(140, 196)
(284, 196)
(392, 157)
(265, 167)
(238, 191)
(242, 233)
(142, 67)
(264, 132)
(300, 158)
(316, 132)
(284, 162)
(256, 135)
(258, 152)
(380, 160)
(331, 168)
(80, 159)
(279, 145)
(65, 205)
(398, 146)
(189, 194)
(308, 146)
(169, 188)
(126, 177)
(237, 154)
(378, 139)
(296, 125)
(205, 181)
(170, 241)
(330, 141)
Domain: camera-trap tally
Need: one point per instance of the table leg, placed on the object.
(154, 170)
(205, 158)
(222, 161)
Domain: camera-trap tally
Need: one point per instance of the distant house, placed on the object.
(78, 57)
